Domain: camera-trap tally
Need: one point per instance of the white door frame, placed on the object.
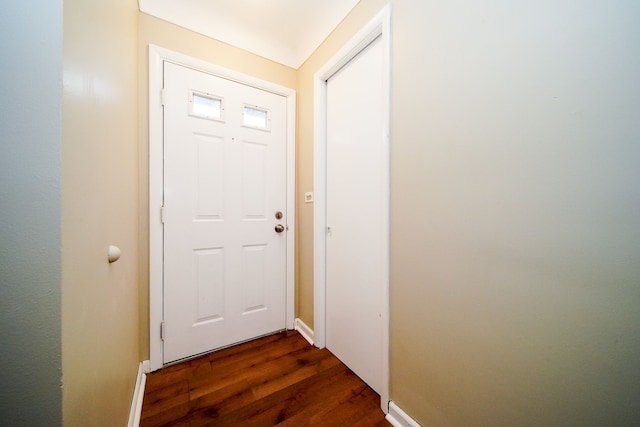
(157, 56)
(379, 26)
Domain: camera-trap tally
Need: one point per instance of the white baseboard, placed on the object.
(305, 331)
(138, 395)
(398, 418)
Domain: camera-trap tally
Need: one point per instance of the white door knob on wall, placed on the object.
(114, 253)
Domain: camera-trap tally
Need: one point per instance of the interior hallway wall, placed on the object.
(99, 208)
(30, 198)
(169, 36)
(515, 258)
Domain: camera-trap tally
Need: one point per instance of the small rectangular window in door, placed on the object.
(205, 105)
(255, 117)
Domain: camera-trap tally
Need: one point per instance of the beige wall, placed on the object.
(515, 258)
(99, 207)
(359, 16)
(169, 36)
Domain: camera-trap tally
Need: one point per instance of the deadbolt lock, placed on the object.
(278, 215)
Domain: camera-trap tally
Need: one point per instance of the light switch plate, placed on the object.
(308, 197)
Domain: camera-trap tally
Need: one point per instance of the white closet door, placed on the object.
(357, 214)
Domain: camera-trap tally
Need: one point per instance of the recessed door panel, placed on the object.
(254, 259)
(209, 276)
(254, 179)
(209, 175)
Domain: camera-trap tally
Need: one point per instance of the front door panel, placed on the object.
(224, 180)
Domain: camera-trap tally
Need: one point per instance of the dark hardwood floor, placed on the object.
(276, 380)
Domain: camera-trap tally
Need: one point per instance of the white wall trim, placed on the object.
(305, 331)
(398, 418)
(380, 25)
(157, 56)
(138, 395)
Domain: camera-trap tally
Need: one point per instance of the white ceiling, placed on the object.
(285, 31)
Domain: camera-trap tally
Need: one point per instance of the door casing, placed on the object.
(379, 26)
(157, 56)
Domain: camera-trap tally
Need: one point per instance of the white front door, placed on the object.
(225, 194)
(357, 210)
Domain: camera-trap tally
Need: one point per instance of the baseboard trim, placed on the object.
(138, 395)
(305, 331)
(398, 418)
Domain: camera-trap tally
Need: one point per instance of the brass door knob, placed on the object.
(279, 228)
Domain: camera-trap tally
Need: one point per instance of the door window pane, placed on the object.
(255, 117)
(207, 106)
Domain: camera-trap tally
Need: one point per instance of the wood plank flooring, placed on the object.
(276, 380)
